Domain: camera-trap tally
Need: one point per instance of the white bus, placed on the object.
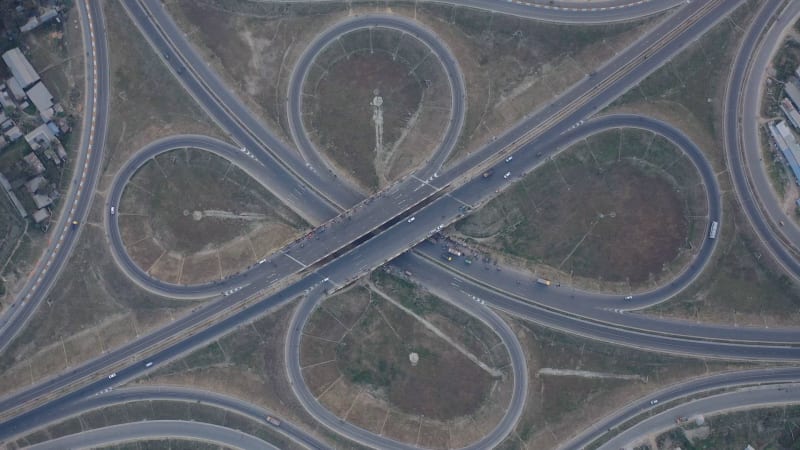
(712, 233)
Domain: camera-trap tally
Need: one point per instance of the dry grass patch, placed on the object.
(623, 207)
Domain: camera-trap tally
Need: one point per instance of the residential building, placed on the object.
(792, 89)
(35, 183)
(791, 113)
(42, 201)
(33, 161)
(42, 100)
(13, 133)
(40, 215)
(20, 67)
(5, 100)
(41, 136)
(14, 200)
(788, 146)
(16, 90)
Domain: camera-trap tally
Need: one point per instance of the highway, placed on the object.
(436, 46)
(686, 390)
(504, 427)
(181, 394)
(156, 430)
(338, 252)
(229, 112)
(78, 198)
(741, 133)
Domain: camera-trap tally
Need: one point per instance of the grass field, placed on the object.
(225, 216)
(157, 410)
(559, 404)
(619, 207)
(766, 428)
(338, 96)
(355, 357)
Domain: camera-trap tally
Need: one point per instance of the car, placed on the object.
(113, 210)
(508, 160)
(508, 174)
(112, 376)
(411, 219)
(654, 402)
(149, 364)
(630, 297)
(75, 224)
(262, 261)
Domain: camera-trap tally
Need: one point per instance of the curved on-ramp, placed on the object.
(436, 46)
(170, 393)
(156, 430)
(306, 398)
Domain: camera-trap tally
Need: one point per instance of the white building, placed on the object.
(20, 67)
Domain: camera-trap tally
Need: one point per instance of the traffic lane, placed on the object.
(733, 151)
(678, 391)
(174, 393)
(756, 397)
(398, 23)
(587, 327)
(645, 65)
(504, 427)
(125, 362)
(750, 125)
(593, 306)
(247, 129)
(93, 140)
(156, 430)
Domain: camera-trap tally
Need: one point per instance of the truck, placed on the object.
(488, 173)
(712, 232)
(454, 251)
(543, 282)
(273, 421)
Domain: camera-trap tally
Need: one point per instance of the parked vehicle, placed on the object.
(488, 173)
(454, 251)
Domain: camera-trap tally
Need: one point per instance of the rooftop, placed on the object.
(22, 70)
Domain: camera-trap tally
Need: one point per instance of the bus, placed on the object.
(712, 233)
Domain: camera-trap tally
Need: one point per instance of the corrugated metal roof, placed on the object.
(22, 70)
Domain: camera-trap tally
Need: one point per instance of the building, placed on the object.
(36, 166)
(35, 183)
(42, 100)
(13, 133)
(42, 201)
(16, 90)
(20, 68)
(792, 89)
(40, 215)
(42, 136)
(791, 113)
(5, 100)
(788, 146)
(48, 15)
(14, 200)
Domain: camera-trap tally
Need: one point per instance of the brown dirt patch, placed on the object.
(401, 427)
(340, 113)
(368, 413)
(320, 377)
(609, 208)
(432, 435)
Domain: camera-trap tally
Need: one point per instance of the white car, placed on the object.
(508, 174)
(630, 297)
(113, 210)
(112, 375)
(411, 219)
(508, 160)
(654, 402)
(149, 364)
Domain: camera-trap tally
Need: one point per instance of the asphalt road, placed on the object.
(188, 395)
(230, 113)
(398, 237)
(436, 46)
(381, 247)
(758, 397)
(741, 132)
(306, 398)
(155, 430)
(682, 391)
(79, 195)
